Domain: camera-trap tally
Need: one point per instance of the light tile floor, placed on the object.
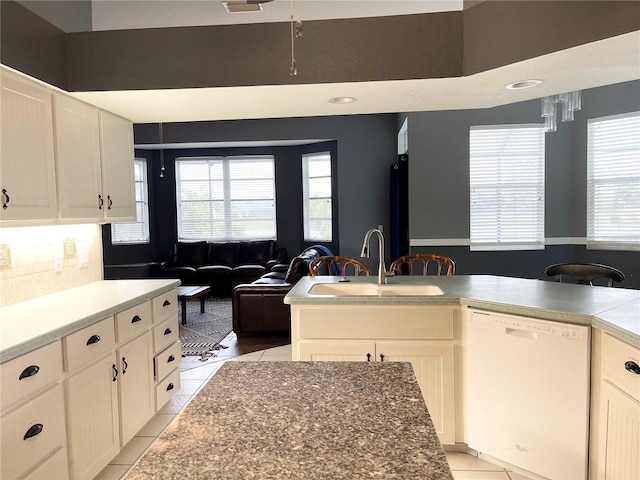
(195, 373)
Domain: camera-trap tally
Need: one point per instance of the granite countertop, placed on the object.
(301, 420)
(34, 323)
(614, 310)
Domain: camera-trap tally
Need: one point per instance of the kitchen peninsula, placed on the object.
(301, 420)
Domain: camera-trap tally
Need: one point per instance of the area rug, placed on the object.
(202, 334)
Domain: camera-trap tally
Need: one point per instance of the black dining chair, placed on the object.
(585, 273)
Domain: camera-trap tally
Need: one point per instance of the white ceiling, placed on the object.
(609, 61)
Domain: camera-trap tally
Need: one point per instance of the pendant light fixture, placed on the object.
(296, 32)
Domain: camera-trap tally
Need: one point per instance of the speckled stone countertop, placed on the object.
(31, 324)
(301, 420)
(614, 310)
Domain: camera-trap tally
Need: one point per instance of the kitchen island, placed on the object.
(301, 420)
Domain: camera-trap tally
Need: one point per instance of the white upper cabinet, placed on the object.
(78, 156)
(47, 132)
(27, 163)
(116, 145)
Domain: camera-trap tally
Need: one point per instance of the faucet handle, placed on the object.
(389, 274)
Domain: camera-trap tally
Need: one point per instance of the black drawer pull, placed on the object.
(126, 365)
(166, 303)
(33, 431)
(115, 372)
(382, 357)
(30, 371)
(136, 319)
(368, 357)
(167, 331)
(631, 366)
(93, 339)
(110, 202)
(171, 359)
(6, 199)
(100, 202)
(170, 387)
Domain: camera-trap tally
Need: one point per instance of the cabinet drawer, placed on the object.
(83, 347)
(31, 432)
(167, 388)
(167, 360)
(615, 354)
(27, 373)
(53, 468)
(165, 334)
(388, 322)
(133, 321)
(165, 306)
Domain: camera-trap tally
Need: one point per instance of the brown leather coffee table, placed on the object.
(191, 293)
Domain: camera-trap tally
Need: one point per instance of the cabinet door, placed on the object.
(78, 156)
(619, 441)
(116, 139)
(338, 351)
(27, 163)
(92, 413)
(433, 368)
(136, 386)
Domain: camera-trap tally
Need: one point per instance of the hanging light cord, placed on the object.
(161, 151)
(293, 70)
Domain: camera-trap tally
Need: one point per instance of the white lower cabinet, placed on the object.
(615, 441)
(93, 417)
(422, 336)
(136, 387)
(56, 467)
(167, 352)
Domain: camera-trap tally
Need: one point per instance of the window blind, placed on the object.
(138, 231)
(613, 182)
(226, 198)
(316, 191)
(507, 187)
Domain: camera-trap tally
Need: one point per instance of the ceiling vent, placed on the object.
(238, 6)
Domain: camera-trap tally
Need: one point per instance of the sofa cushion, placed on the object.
(248, 271)
(224, 253)
(191, 254)
(214, 271)
(256, 252)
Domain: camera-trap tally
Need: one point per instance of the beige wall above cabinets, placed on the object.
(44, 131)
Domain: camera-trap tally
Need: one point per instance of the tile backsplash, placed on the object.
(43, 260)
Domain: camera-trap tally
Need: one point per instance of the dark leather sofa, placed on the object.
(259, 307)
(220, 265)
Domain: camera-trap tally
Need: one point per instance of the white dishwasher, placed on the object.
(527, 401)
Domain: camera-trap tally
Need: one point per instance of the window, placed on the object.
(316, 191)
(507, 187)
(230, 198)
(138, 231)
(613, 182)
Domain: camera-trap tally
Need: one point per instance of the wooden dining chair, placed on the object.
(336, 265)
(585, 273)
(423, 264)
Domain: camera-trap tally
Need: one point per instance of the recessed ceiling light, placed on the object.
(342, 100)
(523, 84)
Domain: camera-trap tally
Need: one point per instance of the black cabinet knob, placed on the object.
(171, 359)
(93, 339)
(368, 357)
(30, 371)
(382, 357)
(167, 331)
(166, 303)
(170, 387)
(136, 319)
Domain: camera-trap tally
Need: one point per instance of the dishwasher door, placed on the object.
(527, 397)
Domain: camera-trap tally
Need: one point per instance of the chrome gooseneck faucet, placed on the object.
(382, 269)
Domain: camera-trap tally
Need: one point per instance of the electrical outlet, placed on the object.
(5, 257)
(83, 258)
(57, 262)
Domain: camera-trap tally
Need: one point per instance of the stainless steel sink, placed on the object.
(373, 290)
